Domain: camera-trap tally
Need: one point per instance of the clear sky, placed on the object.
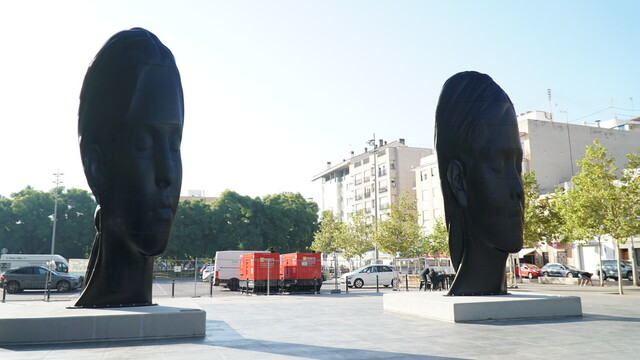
(275, 89)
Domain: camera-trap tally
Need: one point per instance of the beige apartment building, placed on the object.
(551, 149)
(370, 181)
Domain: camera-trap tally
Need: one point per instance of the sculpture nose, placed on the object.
(165, 169)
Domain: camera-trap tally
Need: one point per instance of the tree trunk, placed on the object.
(600, 259)
(615, 244)
(634, 266)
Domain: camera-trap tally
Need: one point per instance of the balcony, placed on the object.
(382, 189)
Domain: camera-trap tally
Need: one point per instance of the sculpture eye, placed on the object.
(143, 141)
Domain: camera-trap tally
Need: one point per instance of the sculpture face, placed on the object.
(494, 191)
(480, 160)
(143, 165)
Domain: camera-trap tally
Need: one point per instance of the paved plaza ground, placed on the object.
(354, 326)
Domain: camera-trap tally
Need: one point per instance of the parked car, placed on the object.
(610, 269)
(35, 277)
(560, 270)
(366, 276)
(206, 272)
(527, 270)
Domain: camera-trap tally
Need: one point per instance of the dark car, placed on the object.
(560, 270)
(610, 269)
(35, 277)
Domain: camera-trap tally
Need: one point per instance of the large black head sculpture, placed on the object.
(480, 164)
(130, 130)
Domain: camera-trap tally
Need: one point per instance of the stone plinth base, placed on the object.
(558, 280)
(435, 305)
(32, 322)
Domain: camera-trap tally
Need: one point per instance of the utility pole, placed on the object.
(53, 233)
(374, 152)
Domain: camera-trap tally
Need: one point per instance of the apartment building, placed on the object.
(428, 192)
(552, 148)
(370, 181)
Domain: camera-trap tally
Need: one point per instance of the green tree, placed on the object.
(400, 231)
(33, 211)
(75, 229)
(236, 222)
(595, 206)
(192, 235)
(360, 235)
(331, 234)
(542, 221)
(438, 240)
(289, 222)
(630, 183)
(7, 222)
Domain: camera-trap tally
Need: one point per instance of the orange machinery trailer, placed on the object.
(301, 272)
(259, 272)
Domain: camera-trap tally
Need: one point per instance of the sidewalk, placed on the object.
(354, 326)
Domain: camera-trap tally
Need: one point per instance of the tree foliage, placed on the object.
(542, 220)
(360, 234)
(285, 222)
(26, 222)
(331, 234)
(400, 231)
(594, 207)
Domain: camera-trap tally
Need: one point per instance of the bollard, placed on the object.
(406, 282)
(315, 285)
(211, 285)
(346, 284)
(4, 293)
(377, 284)
(173, 287)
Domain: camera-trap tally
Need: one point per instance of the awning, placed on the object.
(525, 251)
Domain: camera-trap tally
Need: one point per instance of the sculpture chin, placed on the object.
(151, 243)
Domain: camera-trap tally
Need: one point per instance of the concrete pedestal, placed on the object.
(435, 305)
(40, 323)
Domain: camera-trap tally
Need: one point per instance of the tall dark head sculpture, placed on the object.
(480, 160)
(130, 130)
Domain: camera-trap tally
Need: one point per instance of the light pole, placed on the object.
(566, 113)
(53, 233)
(374, 152)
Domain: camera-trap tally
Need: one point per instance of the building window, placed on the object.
(357, 164)
(367, 175)
(367, 207)
(392, 165)
(382, 169)
(393, 183)
(365, 161)
(382, 186)
(358, 194)
(367, 192)
(384, 203)
(433, 171)
(423, 175)
(357, 179)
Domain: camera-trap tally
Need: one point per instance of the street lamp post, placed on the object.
(374, 152)
(53, 233)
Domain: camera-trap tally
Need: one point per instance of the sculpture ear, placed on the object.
(94, 170)
(455, 177)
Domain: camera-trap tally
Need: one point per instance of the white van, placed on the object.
(226, 270)
(13, 261)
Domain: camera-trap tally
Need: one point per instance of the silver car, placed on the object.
(366, 276)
